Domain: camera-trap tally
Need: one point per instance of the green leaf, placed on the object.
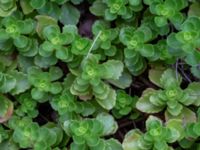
(109, 16)
(193, 92)
(155, 75)
(40, 145)
(109, 102)
(174, 108)
(80, 46)
(112, 69)
(93, 141)
(196, 128)
(26, 7)
(79, 140)
(113, 144)
(186, 143)
(55, 87)
(195, 71)
(101, 145)
(147, 50)
(24, 63)
(130, 141)
(71, 31)
(74, 146)
(69, 14)
(6, 108)
(28, 26)
(126, 34)
(98, 8)
(50, 134)
(193, 9)
(42, 22)
(45, 62)
(8, 145)
(37, 4)
(187, 116)
(76, 1)
(21, 41)
(37, 94)
(64, 54)
(191, 131)
(109, 124)
(173, 42)
(161, 145)
(8, 83)
(144, 104)
(51, 33)
(160, 21)
(7, 7)
(88, 109)
(22, 83)
(123, 82)
(193, 58)
(55, 73)
(153, 122)
(169, 79)
(177, 126)
(4, 35)
(135, 2)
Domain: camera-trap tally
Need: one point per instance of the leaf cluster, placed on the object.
(73, 74)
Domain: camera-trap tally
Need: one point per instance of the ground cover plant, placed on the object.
(99, 74)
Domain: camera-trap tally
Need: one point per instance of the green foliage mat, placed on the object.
(99, 74)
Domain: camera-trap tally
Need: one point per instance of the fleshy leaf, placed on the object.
(42, 22)
(177, 125)
(26, 7)
(131, 140)
(69, 15)
(55, 73)
(112, 69)
(8, 83)
(6, 108)
(22, 83)
(113, 144)
(123, 82)
(187, 116)
(144, 104)
(155, 75)
(193, 92)
(110, 126)
(170, 78)
(98, 8)
(193, 10)
(109, 102)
